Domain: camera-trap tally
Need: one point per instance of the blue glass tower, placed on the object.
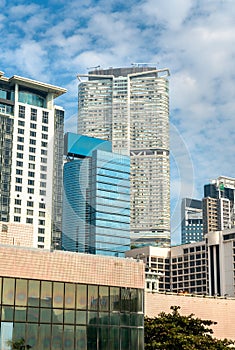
(96, 207)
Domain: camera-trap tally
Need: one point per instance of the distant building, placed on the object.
(191, 221)
(96, 209)
(218, 205)
(130, 107)
(31, 137)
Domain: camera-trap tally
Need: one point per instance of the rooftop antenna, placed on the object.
(139, 64)
(96, 67)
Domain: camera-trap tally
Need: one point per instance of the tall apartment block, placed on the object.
(31, 152)
(96, 208)
(191, 220)
(130, 107)
(218, 204)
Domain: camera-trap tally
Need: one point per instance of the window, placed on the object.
(31, 157)
(45, 117)
(19, 180)
(33, 126)
(29, 220)
(43, 160)
(21, 123)
(43, 176)
(17, 218)
(19, 155)
(32, 149)
(42, 193)
(44, 128)
(19, 172)
(41, 230)
(31, 166)
(20, 131)
(31, 173)
(18, 201)
(17, 210)
(41, 222)
(33, 133)
(31, 182)
(18, 188)
(21, 111)
(40, 239)
(20, 147)
(42, 214)
(32, 142)
(33, 114)
(43, 144)
(31, 190)
(42, 205)
(43, 168)
(44, 136)
(43, 184)
(29, 204)
(44, 152)
(20, 139)
(29, 212)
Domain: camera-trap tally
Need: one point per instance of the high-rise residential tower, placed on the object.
(96, 201)
(31, 151)
(130, 107)
(218, 204)
(191, 220)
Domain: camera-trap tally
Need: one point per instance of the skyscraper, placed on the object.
(31, 154)
(191, 220)
(96, 201)
(218, 204)
(130, 107)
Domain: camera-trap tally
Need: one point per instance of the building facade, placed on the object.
(31, 160)
(70, 301)
(96, 210)
(191, 220)
(130, 107)
(218, 204)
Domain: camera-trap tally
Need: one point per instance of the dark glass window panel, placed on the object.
(104, 317)
(45, 315)
(125, 338)
(69, 337)
(69, 296)
(141, 338)
(19, 331)
(58, 294)
(124, 319)
(134, 300)
(57, 316)
(92, 297)
(20, 314)
(92, 318)
(33, 314)
(69, 316)
(91, 337)
(114, 299)
(44, 337)
(7, 313)
(103, 298)
(32, 336)
(57, 337)
(125, 299)
(80, 317)
(114, 338)
(1, 288)
(21, 292)
(134, 338)
(140, 300)
(46, 294)
(81, 338)
(114, 319)
(81, 296)
(104, 338)
(134, 320)
(8, 291)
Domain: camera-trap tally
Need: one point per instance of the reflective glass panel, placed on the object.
(19, 332)
(134, 338)
(0, 290)
(69, 316)
(125, 338)
(103, 298)
(57, 337)
(6, 334)
(92, 317)
(68, 337)
(69, 296)
(46, 294)
(81, 296)
(80, 317)
(114, 338)
(104, 317)
(33, 314)
(33, 293)
(92, 337)
(115, 318)
(58, 294)
(32, 336)
(125, 299)
(124, 319)
(8, 291)
(134, 300)
(21, 292)
(104, 338)
(44, 337)
(57, 316)
(7, 313)
(20, 314)
(140, 301)
(141, 338)
(81, 338)
(45, 315)
(114, 299)
(92, 297)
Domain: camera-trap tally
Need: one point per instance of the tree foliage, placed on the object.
(18, 344)
(176, 332)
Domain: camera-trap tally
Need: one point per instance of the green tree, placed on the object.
(18, 344)
(176, 332)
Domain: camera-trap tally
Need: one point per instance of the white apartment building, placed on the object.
(130, 107)
(31, 152)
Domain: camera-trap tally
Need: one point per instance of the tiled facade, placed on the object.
(16, 234)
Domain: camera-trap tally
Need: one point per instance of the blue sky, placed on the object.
(53, 40)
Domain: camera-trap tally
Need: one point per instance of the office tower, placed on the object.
(130, 107)
(218, 204)
(191, 220)
(31, 159)
(96, 207)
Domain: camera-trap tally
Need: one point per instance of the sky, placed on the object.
(54, 40)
